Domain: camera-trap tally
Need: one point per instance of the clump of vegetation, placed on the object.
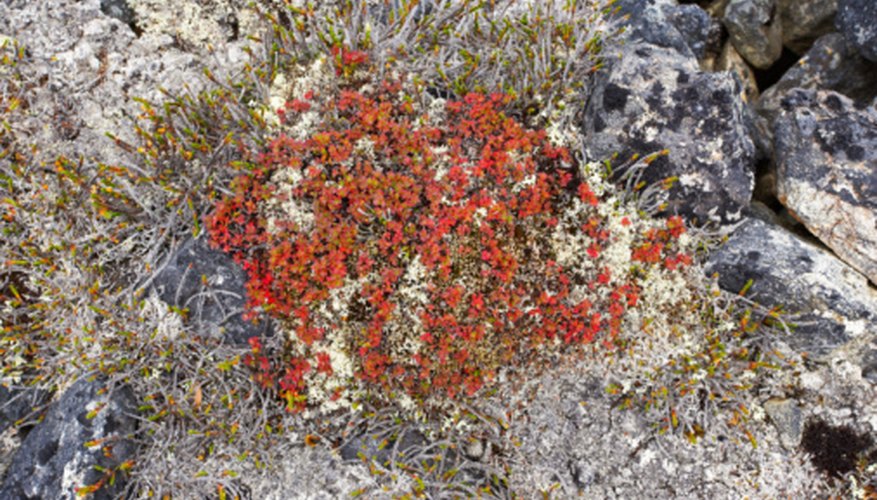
(418, 238)
(543, 54)
(419, 256)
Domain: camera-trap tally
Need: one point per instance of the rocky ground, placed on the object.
(768, 110)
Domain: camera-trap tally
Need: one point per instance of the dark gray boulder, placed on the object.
(701, 33)
(857, 21)
(687, 29)
(17, 402)
(831, 64)
(54, 459)
(826, 162)
(755, 29)
(805, 20)
(657, 99)
(211, 285)
(831, 302)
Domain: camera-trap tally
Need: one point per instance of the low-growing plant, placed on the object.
(542, 52)
(416, 258)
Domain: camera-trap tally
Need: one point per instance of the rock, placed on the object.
(869, 364)
(54, 460)
(687, 29)
(647, 22)
(701, 33)
(657, 99)
(716, 8)
(474, 449)
(730, 60)
(831, 64)
(211, 286)
(17, 402)
(857, 21)
(805, 20)
(380, 451)
(826, 160)
(120, 10)
(756, 31)
(832, 301)
(785, 414)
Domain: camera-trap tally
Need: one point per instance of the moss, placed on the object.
(836, 449)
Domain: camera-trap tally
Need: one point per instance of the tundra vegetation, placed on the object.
(405, 187)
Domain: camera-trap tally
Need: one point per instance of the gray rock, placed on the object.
(687, 29)
(54, 460)
(869, 364)
(805, 20)
(756, 31)
(17, 402)
(730, 60)
(211, 285)
(857, 21)
(831, 301)
(120, 10)
(831, 64)
(380, 450)
(701, 33)
(657, 99)
(826, 160)
(785, 414)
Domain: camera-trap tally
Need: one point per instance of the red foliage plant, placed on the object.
(428, 258)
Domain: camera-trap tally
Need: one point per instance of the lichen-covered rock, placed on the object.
(701, 32)
(756, 30)
(85, 428)
(657, 99)
(826, 160)
(210, 284)
(857, 21)
(831, 301)
(831, 64)
(572, 438)
(89, 64)
(17, 403)
(805, 20)
(687, 29)
(785, 415)
(730, 60)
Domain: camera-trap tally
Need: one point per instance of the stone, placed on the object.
(658, 99)
(831, 64)
(869, 364)
(211, 285)
(805, 20)
(54, 461)
(377, 449)
(756, 31)
(857, 21)
(119, 9)
(831, 302)
(687, 29)
(701, 33)
(730, 60)
(785, 415)
(17, 402)
(826, 161)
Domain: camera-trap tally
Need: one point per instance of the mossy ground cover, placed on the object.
(404, 184)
